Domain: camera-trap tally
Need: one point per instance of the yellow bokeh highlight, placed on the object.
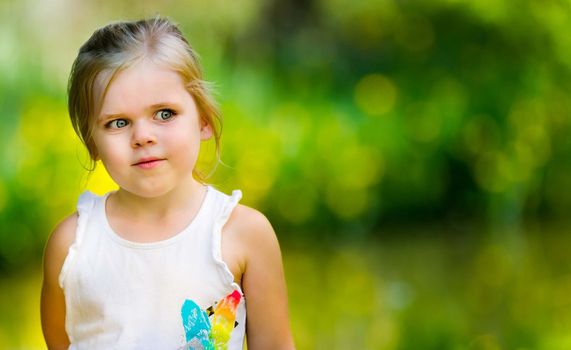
(40, 125)
(99, 181)
(375, 94)
(290, 122)
(353, 167)
(256, 171)
(43, 143)
(357, 166)
(350, 163)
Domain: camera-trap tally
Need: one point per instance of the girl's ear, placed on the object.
(205, 130)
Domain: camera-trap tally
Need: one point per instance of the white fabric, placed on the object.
(127, 295)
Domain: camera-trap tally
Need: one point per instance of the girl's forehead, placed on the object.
(144, 83)
(142, 73)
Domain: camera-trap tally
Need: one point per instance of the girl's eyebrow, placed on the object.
(160, 105)
(105, 117)
(163, 105)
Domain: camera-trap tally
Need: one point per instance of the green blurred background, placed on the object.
(413, 156)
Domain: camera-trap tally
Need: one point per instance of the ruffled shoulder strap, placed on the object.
(228, 203)
(85, 204)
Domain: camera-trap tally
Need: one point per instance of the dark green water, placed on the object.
(453, 288)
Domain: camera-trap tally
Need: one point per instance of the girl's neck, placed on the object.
(145, 220)
(181, 199)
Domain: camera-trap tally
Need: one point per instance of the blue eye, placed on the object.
(117, 124)
(165, 114)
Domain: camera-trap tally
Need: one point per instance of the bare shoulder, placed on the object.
(250, 226)
(58, 245)
(63, 234)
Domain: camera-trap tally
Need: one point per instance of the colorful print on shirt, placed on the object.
(210, 329)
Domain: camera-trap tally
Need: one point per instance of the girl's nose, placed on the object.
(142, 135)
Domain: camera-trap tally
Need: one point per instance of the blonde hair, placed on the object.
(117, 46)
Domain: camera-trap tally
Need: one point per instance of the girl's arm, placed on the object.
(263, 282)
(52, 300)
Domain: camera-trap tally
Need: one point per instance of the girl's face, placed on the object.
(148, 132)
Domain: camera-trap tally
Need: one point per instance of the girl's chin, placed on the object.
(150, 192)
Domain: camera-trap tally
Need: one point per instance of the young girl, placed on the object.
(164, 262)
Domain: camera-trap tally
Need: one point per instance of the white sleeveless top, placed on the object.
(172, 294)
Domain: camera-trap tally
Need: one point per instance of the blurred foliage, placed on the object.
(338, 114)
(341, 118)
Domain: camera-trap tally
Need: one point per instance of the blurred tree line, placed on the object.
(339, 115)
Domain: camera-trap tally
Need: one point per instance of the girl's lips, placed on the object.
(148, 164)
